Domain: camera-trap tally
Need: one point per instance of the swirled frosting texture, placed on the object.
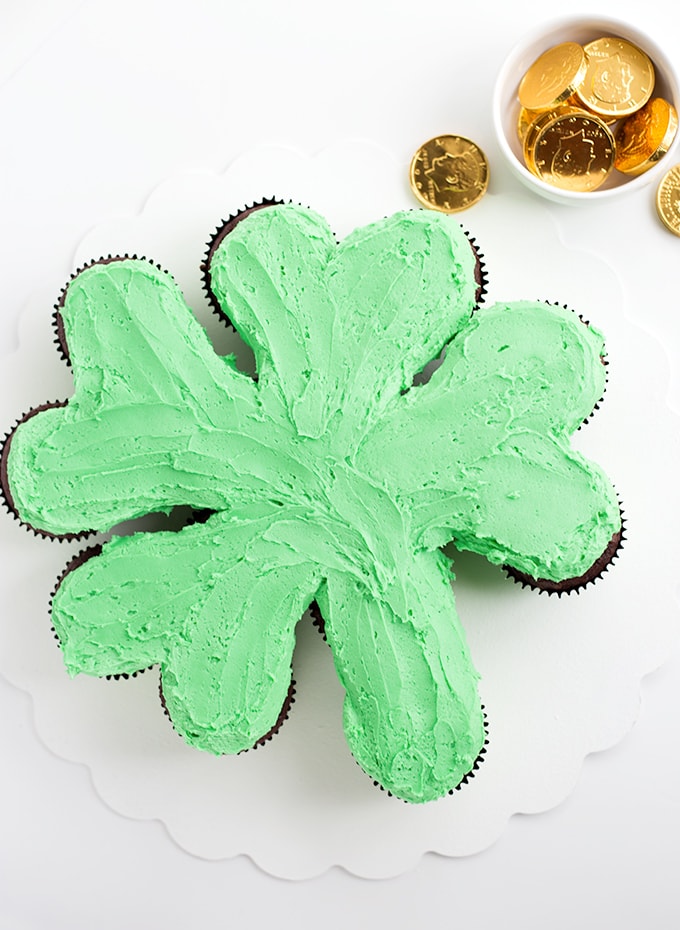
(331, 478)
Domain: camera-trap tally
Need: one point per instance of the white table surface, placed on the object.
(98, 104)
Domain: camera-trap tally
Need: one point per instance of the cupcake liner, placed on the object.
(467, 778)
(284, 713)
(317, 619)
(481, 274)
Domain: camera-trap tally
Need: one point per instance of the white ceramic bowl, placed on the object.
(506, 106)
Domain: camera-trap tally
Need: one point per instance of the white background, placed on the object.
(98, 104)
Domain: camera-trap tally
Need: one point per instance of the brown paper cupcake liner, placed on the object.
(317, 619)
(467, 778)
(481, 274)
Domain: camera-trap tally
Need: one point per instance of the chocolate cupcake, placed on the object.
(577, 584)
(263, 740)
(7, 496)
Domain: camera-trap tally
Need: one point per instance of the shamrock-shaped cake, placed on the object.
(334, 477)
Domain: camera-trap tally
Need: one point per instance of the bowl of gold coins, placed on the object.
(587, 109)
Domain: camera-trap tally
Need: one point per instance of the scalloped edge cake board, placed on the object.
(560, 676)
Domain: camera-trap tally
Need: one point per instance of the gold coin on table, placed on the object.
(619, 77)
(668, 199)
(645, 137)
(553, 78)
(449, 173)
(570, 149)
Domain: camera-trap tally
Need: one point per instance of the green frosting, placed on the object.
(331, 478)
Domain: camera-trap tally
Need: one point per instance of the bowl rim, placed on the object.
(613, 26)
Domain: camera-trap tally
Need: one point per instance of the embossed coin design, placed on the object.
(570, 149)
(553, 78)
(645, 137)
(668, 200)
(449, 173)
(619, 77)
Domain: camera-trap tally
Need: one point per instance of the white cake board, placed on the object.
(560, 676)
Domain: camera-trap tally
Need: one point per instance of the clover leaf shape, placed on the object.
(331, 477)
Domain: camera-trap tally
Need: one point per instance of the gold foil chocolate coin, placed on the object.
(524, 121)
(449, 173)
(570, 149)
(619, 77)
(645, 137)
(668, 200)
(553, 78)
